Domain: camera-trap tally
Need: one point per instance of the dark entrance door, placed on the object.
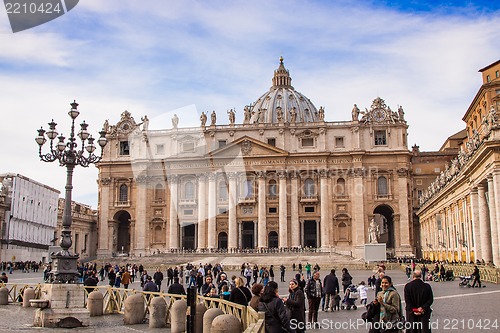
(248, 236)
(123, 234)
(222, 243)
(272, 239)
(310, 233)
(188, 237)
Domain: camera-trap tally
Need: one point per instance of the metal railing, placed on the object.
(114, 302)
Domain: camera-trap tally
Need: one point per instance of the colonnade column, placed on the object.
(404, 222)
(294, 207)
(325, 219)
(232, 227)
(484, 224)
(174, 225)
(359, 221)
(212, 211)
(202, 212)
(496, 188)
(261, 224)
(140, 227)
(476, 231)
(493, 220)
(283, 216)
(103, 248)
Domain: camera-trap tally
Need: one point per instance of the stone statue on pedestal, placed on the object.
(373, 232)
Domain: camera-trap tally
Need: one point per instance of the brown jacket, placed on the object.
(126, 278)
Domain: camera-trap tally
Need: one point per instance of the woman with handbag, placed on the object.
(276, 319)
(391, 317)
(296, 303)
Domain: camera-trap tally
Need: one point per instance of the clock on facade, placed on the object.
(378, 115)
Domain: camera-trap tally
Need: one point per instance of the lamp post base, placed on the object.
(65, 269)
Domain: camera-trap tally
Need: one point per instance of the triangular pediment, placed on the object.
(248, 147)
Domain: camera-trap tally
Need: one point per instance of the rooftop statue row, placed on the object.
(452, 170)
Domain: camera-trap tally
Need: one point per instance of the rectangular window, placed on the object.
(497, 74)
(419, 181)
(160, 149)
(309, 209)
(419, 193)
(271, 142)
(307, 142)
(418, 170)
(124, 148)
(380, 138)
(437, 170)
(222, 210)
(222, 143)
(339, 141)
(273, 210)
(188, 146)
(488, 79)
(188, 212)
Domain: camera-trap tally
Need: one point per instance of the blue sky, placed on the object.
(157, 58)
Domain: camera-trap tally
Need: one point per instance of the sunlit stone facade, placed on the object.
(283, 178)
(460, 211)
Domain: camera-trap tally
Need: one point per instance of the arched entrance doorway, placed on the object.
(122, 233)
(247, 235)
(188, 237)
(310, 233)
(222, 240)
(272, 240)
(383, 215)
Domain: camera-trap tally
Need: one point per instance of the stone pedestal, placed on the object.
(65, 309)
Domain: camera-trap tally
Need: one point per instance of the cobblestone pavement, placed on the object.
(455, 309)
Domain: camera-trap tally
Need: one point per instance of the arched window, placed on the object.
(309, 188)
(248, 188)
(123, 197)
(382, 185)
(189, 191)
(159, 192)
(158, 235)
(222, 191)
(272, 188)
(340, 188)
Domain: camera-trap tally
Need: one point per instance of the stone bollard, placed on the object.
(134, 310)
(178, 316)
(28, 294)
(200, 312)
(157, 313)
(226, 323)
(95, 303)
(4, 296)
(209, 317)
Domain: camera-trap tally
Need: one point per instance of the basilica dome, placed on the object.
(282, 103)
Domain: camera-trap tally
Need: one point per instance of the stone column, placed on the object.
(496, 187)
(212, 211)
(325, 217)
(302, 232)
(232, 226)
(294, 207)
(140, 224)
(404, 223)
(106, 201)
(262, 213)
(202, 212)
(493, 220)
(476, 231)
(173, 181)
(359, 220)
(283, 216)
(484, 224)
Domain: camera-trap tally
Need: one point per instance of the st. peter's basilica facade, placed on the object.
(284, 178)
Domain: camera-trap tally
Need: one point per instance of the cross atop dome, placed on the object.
(282, 76)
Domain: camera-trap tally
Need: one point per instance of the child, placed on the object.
(225, 292)
(363, 292)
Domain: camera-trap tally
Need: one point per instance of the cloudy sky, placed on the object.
(157, 58)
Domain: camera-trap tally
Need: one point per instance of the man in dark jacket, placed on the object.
(418, 298)
(331, 287)
(314, 292)
(176, 288)
(158, 277)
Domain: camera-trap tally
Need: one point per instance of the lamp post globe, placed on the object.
(69, 152)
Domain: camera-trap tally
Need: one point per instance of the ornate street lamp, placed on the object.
(69, 155)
